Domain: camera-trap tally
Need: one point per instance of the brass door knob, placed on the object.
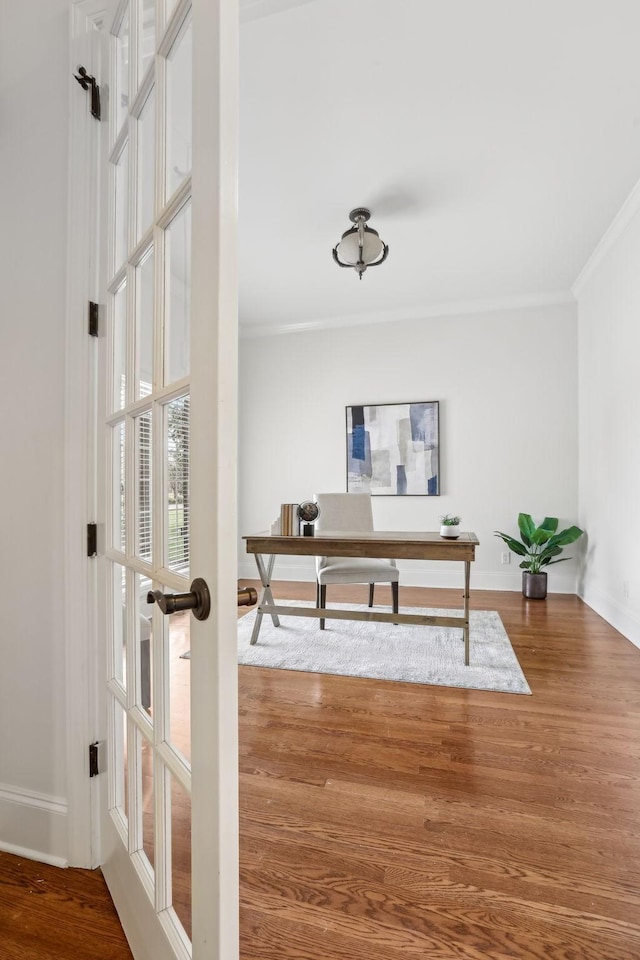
(247, 596)
(198, 600)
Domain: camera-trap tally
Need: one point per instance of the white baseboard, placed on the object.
(416, 574)
(623, 620)
(33, 825)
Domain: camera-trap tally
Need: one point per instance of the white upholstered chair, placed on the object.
(350, 513)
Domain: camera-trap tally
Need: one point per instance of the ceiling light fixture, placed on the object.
(360, 247)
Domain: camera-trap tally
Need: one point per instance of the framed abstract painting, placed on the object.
(393, 449)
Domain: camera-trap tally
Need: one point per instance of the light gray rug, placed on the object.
(353, 648)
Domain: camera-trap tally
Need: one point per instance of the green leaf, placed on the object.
(541, 535)
(525, 564)
(514, 545)
(527, 527)
(550, 551)
(562, 559)
(566, 536)
(570, 535)
(550, 524)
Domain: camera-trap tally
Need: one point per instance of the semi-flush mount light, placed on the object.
(360, 247)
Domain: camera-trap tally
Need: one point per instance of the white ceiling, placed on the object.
(493, 140)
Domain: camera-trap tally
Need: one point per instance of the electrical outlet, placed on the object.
(505, 558)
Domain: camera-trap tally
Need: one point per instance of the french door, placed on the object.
(167, 482)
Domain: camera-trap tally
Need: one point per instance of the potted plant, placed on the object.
(540, 546)
(450, 526)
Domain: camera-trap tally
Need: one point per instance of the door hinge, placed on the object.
(92, 539)
(93, 319)
(93, 759)
(89, 83)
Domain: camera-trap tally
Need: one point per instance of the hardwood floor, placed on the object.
(386, 820)
(52, 914)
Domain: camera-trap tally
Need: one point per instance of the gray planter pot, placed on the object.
(534, 585)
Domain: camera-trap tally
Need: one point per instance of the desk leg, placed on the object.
(467, 577)
(266, 596)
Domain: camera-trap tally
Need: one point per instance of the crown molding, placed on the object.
(616, 228)
(452, 308)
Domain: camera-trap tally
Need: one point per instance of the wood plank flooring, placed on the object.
(52, 914)
(387, 820)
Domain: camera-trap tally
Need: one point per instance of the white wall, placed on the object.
(34, 101)
(507, 386)
(609, 389)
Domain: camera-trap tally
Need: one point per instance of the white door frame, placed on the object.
(214, 489)
(83, 723)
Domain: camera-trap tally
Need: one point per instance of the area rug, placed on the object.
(381, 651)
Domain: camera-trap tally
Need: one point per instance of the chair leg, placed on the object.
(371, 589)
(394, 596)
(323, 600)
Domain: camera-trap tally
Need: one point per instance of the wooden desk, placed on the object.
(402, 545)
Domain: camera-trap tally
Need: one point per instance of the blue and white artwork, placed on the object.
(393, 449)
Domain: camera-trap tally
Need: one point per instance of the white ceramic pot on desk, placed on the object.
(450, 532)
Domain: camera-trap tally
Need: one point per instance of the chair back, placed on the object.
(346, 512)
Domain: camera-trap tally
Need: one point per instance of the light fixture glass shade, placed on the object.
(349, 251)
(360, 247)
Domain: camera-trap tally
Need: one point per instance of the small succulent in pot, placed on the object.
(450, 526)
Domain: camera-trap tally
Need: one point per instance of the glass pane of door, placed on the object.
(119, 799)
(146, 788)
(119, 633)
(121, 213)
(179, 96)
(147, 34)
(143, 501)
(119, 347)
(177, 503)
(179, 673)
(146, 164)
(118, 530)
(145, 274)
(122, 67)
(178, 295)
(144, 645)
(181, 853)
